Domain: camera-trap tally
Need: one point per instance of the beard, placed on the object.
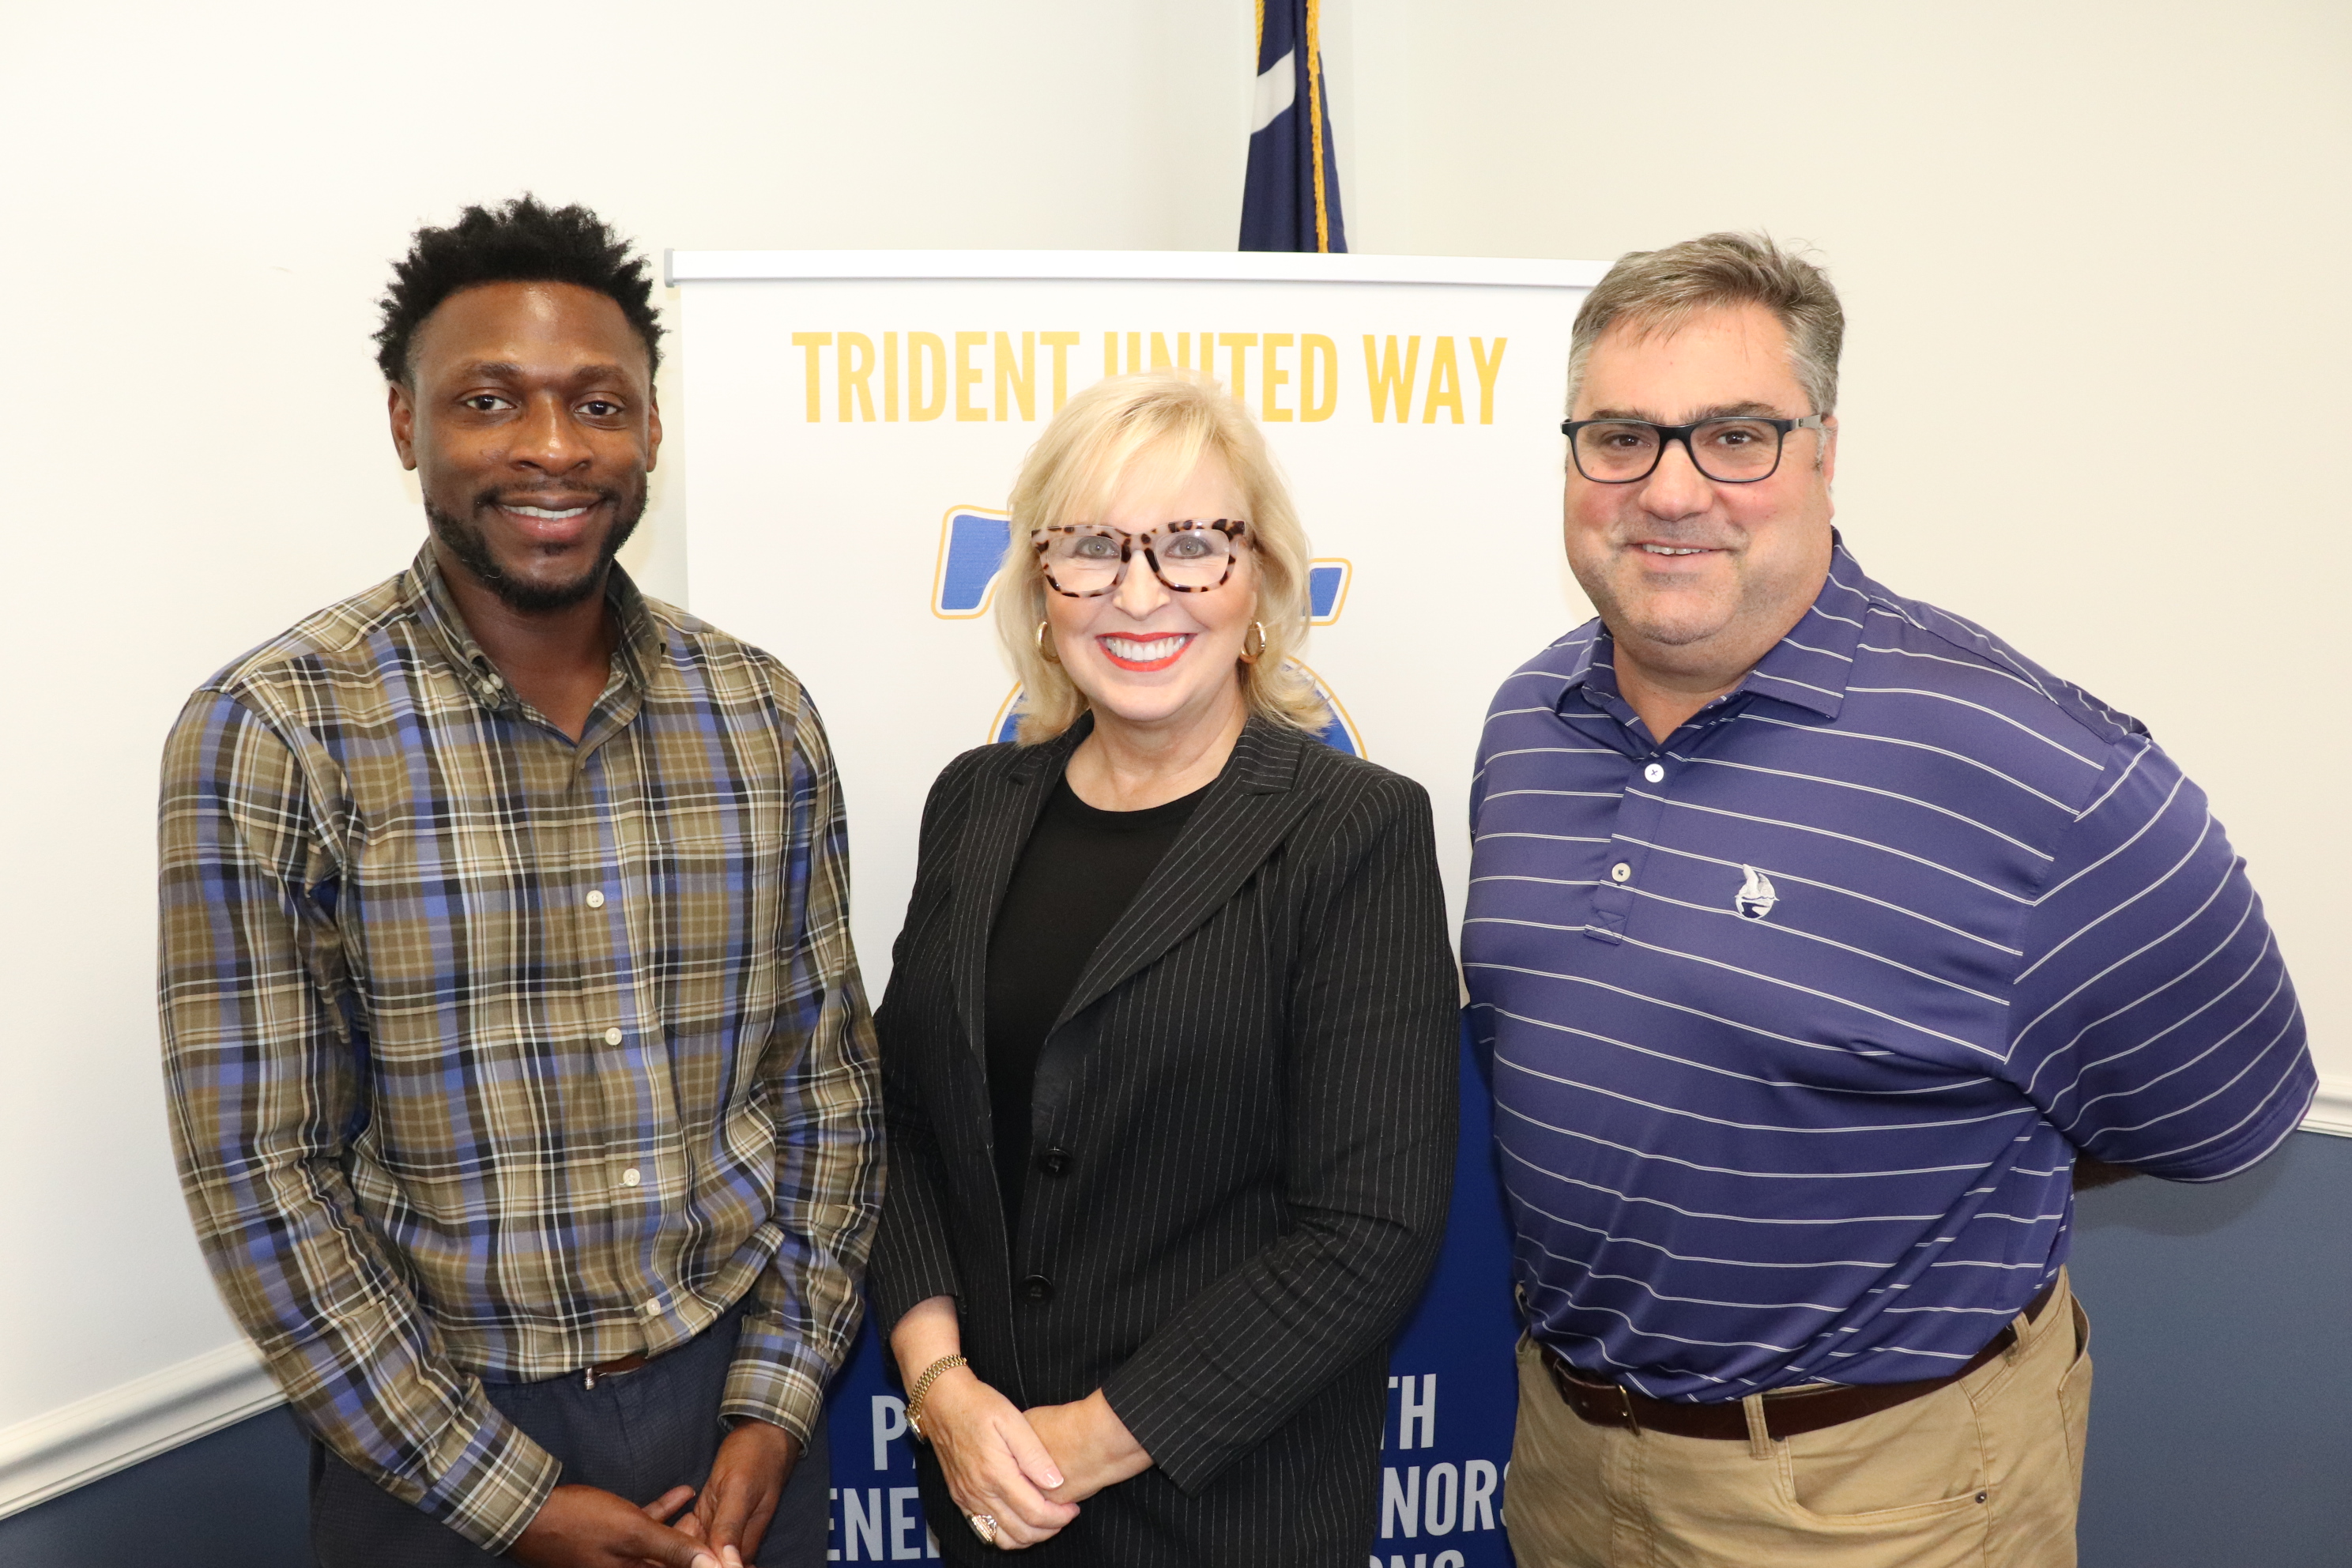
(466, 540)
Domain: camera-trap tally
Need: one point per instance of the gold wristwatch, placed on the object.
(922, 1387)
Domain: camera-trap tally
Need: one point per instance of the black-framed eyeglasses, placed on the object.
(1738, 450)
(1083, 560)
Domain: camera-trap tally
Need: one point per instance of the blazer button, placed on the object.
(1037, 1287)
(1054, 1162)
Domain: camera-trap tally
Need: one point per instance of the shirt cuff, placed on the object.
(492, 1488)
(1157, 1393)
(776, 1378)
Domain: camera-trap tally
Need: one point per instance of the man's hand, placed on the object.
(1091, 1444)
(2090, 1173)
(747, 1480)
(579, 1527)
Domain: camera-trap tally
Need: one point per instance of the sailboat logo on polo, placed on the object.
(1756, 898)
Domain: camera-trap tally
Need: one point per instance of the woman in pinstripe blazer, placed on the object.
(1169, 1045)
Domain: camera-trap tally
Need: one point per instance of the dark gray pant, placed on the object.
(637, 1435)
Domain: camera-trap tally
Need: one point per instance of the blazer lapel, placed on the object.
(1004, 807)
(1241, 821)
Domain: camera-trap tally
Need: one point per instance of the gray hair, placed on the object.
(1660, 292)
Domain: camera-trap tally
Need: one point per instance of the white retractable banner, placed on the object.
(856, 419)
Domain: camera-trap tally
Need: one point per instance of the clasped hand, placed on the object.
(1027, 1470)
(581, 1527)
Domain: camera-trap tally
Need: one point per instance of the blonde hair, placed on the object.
(1158, 423)
(1660, 291)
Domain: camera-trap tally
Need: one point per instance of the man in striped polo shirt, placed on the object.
(1824, 942)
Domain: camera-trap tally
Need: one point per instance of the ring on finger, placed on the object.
(984, 1526)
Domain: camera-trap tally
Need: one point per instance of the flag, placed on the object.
(1290, 200)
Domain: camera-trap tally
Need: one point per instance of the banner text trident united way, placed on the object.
(890, 376)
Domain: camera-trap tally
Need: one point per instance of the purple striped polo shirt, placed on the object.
(1799, 1019)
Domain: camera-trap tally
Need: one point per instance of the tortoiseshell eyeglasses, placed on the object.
(1084, 560)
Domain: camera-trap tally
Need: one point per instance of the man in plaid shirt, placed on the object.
(523, 1090)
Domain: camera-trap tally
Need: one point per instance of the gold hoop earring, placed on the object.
(1247, 655)
(1046, 645)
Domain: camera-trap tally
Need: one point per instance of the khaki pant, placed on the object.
(1986, 1472)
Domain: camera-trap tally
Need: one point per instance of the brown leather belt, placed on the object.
(1785, 1414)
(634, 1360)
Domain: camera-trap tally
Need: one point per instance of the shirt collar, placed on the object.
(426, 592)
(1808, 668)
(1810, 665)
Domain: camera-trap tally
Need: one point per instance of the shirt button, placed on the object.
(1654, 772)
(630, 1178)
(1621, 872)
(651, 1309)
(595, 898)
(613, 1037)
(1037, 1287)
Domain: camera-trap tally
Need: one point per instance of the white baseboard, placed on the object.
(2332, 1110)
(77, 1444)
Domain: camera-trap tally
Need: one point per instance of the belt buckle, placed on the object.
(1625, 1398)
(1565, 1375)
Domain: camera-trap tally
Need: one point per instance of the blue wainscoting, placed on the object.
(2221, 1424)
(2222, 1344)
(234, 1499)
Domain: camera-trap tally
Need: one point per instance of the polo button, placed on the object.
(595, 898)
(1621, 872)
(614, 1037)
(1054, 1162)
(1654, 772)
(630, 1178)
(1037, 1287)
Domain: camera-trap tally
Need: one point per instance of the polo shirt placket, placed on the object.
(1650, 775)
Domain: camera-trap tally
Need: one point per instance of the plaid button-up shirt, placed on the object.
(493, 1056)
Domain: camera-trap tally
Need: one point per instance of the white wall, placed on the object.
(2093, 257)
(196, 209)
(2060, 229)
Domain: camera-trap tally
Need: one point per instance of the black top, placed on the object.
(1076, 876)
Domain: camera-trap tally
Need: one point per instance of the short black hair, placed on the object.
(525, 241)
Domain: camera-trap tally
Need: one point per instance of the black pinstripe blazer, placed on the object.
(1242, 1144)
